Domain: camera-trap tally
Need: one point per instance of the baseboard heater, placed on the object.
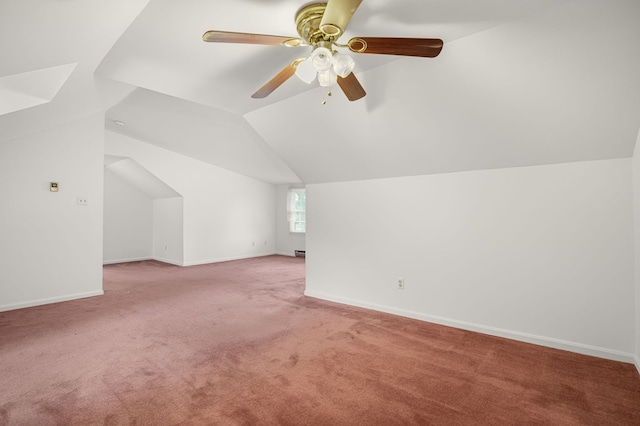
(300, 253)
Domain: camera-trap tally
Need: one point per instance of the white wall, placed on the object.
(226, 215)
(286, 242)
(128, 221)
(541, 254)
(51, 247)
(636, 216)
(168, 230)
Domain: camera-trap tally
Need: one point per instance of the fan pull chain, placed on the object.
(329, 93)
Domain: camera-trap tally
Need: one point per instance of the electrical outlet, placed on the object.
(400, 283)
(82, 201)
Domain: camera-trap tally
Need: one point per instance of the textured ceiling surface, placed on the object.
(519, 82)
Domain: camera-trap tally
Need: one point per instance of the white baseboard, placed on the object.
(637, 359)
(169, 261)
(133, 259)
(38, 302)
(191, 263)
(227, 259)
(281, 253)
(492, 331)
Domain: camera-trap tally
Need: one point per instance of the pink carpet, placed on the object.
(237, 343)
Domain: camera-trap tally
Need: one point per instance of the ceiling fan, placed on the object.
(320, 25)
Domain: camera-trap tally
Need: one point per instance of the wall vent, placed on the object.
(300, 253)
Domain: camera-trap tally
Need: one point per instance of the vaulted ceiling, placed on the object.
(519, 82)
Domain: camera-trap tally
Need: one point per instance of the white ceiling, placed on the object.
(519, 82)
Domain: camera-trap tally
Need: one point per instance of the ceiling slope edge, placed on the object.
(32, 88)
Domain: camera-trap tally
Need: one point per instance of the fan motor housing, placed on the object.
(308, 20)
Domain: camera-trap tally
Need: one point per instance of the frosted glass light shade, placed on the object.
(327, 77)
(321, 59)
(342, 64)
(305, 71)
(326, 66)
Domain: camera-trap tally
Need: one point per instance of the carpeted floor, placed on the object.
(237, 343)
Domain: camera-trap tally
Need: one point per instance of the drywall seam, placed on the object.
(492, 331)
(38, 302)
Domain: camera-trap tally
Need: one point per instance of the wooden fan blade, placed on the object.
(337, 15)
(351, 87)
(246, 38)
(284, 75)
(423, 47)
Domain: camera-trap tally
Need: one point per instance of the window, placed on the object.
(296, 209)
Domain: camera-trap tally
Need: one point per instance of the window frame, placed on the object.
(294, 212)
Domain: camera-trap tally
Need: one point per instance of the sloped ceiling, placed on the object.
(139, 177)
(556, 87)
(28, 89)
(209, 134)
(48, 35)
(519, 82)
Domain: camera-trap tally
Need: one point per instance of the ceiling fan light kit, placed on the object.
(319, 26)
(327, 78)
(306, 72)
(326, 65)
(343, 65)
(321, 58)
